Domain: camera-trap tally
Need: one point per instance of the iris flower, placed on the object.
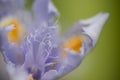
(32, 46)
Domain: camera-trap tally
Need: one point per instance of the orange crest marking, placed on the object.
(17, 33)
(74, 44)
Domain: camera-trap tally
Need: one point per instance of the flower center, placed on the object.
(16, 34)
(74, 44)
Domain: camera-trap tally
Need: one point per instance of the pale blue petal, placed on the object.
(39, 47)
(29, 56)
(10, 51)
(91, 27)
(3, 35)
(13, 54)
(40, 9)
(95, 26)
(89, 30)
(52, 10)
(44, 10)
(72, 61)
(10, 6)
(50, 75)
(12, 3)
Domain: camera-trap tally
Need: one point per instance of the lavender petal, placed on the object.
(10, 51)
(40, 9)
(72, 61)
(50, 75)
(10, 6)
(44, 10)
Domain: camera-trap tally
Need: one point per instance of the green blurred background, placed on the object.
(103, 63)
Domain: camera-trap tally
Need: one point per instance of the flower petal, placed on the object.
(10, 51)
(40, 8)
(91, 27)
(94, 27)
(27, 48)
(84, 36)
(10, 6)
(50, 75)
(12, 2)
(38, 46)
(53, 12)
(17, 72)
(44, 10)
(71, 62)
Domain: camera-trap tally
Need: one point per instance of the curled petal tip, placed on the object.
(52, 9)
(94, 28)
(93, 19)
(10, 27)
